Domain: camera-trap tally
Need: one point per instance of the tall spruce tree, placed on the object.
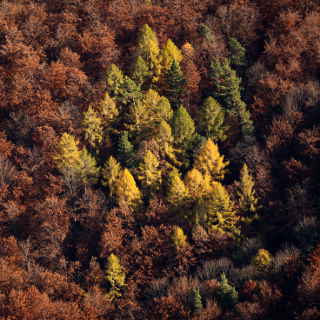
(227, 294)
(174, 84)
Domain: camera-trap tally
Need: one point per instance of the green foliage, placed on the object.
(179, 239)
(88, 169)
(174, 84)
(115, 275)
(238, 53)
(196, 301)
(110, 174)
(125, 148)
(170, 53)
(211, 120)
(205, 32)
(127, 192)
(248, 201)
(129, 92)
(177, 191)
(216, 211)
(149, 171)
(93, 129)
(140, 71)
(209, 161)
(148, 49)
(183, 126)
(262, 259)
(227, 294)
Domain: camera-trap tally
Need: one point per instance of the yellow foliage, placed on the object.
(177, 191)
(197, 184)
(110, 174)
(107, 109)
(169, 53)
(262, 259)
(115, 274)
(179, 238)
(93, 130)
(209, 161)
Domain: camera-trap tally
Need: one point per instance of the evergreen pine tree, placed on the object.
(127, 192)
(88, 170)
(196, 301)
(149, 171)
(227, 294)
(177, 191)
(209, 161)
(211, 120)
(93, 129)
(179, 239)
(170, 53)
(247, 198)
(110, 174)
(115, 274)
(238, 53)
(183, 126)
(174, 84)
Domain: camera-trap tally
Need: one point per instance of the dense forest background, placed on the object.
(159, 159)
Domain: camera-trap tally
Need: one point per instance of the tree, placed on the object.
(88, 170)
(262, 259)
(227, 294)
(114, 79)
(197, 184)
(107, 109)
(179, 239)
(127, 192)
(93, 129)
(170, 53)
(125, 148)
(247, 198)
(129, 91)
(149, 171)
(140, 72)
(174, 84)
(110, 174)
(216, 211)
(209, 161)
(67, 155)
(183, 126)
(196, 301)
(176, 192)
(115, 275)
(148, 49)
(211, 120)
(238, 53)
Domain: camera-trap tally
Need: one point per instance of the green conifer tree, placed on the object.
(183, 126)
(125, 149)
(196, 301)
(110, 174)
(140, 71)
(170, 53)
(211, 120)
(115, 275)
(174, 84)
(209, 161)
(127, 192)
(227, 294)
(238, 53)
(93, 129)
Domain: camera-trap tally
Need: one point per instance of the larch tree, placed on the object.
(174, 84)
(127, 192)
(108, 110)
(114, 80)
(183, 126)
(149, 172)
(148, 49)
(211, 120)
(216, 211)
(115, 275)
(176, 191)
(89, 170)
(248, 201)
(198, 185)
(179, 238)
(93, 128)
(209, 161)
(170, 53)
(140, 71)
(237, 53)
(197, 305)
